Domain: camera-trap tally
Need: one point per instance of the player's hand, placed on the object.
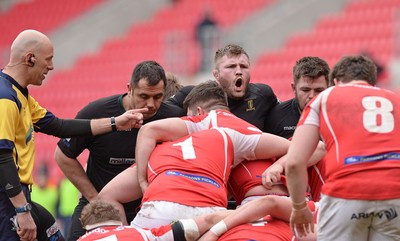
(208, 236)
(130, 119)
(302, 222)
(26, 227)
(272, 175)
(143, 184)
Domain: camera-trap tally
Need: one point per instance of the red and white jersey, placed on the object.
(268, 229)
(192, 171)
(245, 135)
(360, 125)
(196, 168)
(316, 179)
(245, 176)
(126, 233)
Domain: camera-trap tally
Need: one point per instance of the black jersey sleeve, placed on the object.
(68, 127)
(73, 147)
(9, 179)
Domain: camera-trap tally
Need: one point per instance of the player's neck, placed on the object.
(103, 224)
(355, 82)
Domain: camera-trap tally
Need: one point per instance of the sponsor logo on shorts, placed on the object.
(390, 214)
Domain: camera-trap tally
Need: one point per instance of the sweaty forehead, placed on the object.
(143, 87)
(234, 59)
(318, 82)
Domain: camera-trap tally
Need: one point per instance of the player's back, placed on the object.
(360, 125)
(363, 118)
(244, 135)
(192, 170)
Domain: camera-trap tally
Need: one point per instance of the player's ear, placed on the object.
(200, 111)
(129, 87)
(335, 81)
(216, 74)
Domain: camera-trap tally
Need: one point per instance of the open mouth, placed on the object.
(238, 82)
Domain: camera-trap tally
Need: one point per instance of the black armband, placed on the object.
(68, 128)
(9, 179)
(178, 231)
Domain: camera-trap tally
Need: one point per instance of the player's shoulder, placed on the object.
(260, 88)
(7, 91)
(101, 107)
(180, 96)
(287, 104)
(105, 100)
(280, 110)
(262, 91)
(168, 109)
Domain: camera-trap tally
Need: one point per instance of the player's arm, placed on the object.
(10, 182)
(279, 207)
(74, 171)
(80, 127)
(123, 188)
(157, 131)
(276, 206)
(304, 142)
(272, 174)
(271, 146)
(130, 119)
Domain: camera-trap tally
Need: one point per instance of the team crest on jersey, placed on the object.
(250, 105)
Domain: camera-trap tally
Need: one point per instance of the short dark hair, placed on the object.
(209, 95)
(150, 70)
(312, 67)
(229, 50)
(356, 67)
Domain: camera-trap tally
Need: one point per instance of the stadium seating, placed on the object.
(365, 26)
(42, 15)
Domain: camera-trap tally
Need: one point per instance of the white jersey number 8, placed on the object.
(378, 116)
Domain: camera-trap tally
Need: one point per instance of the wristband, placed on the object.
(113, 124)
(219, 228)
(299, 206)
(301, 209)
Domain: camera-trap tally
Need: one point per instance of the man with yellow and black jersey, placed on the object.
(31, 58)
